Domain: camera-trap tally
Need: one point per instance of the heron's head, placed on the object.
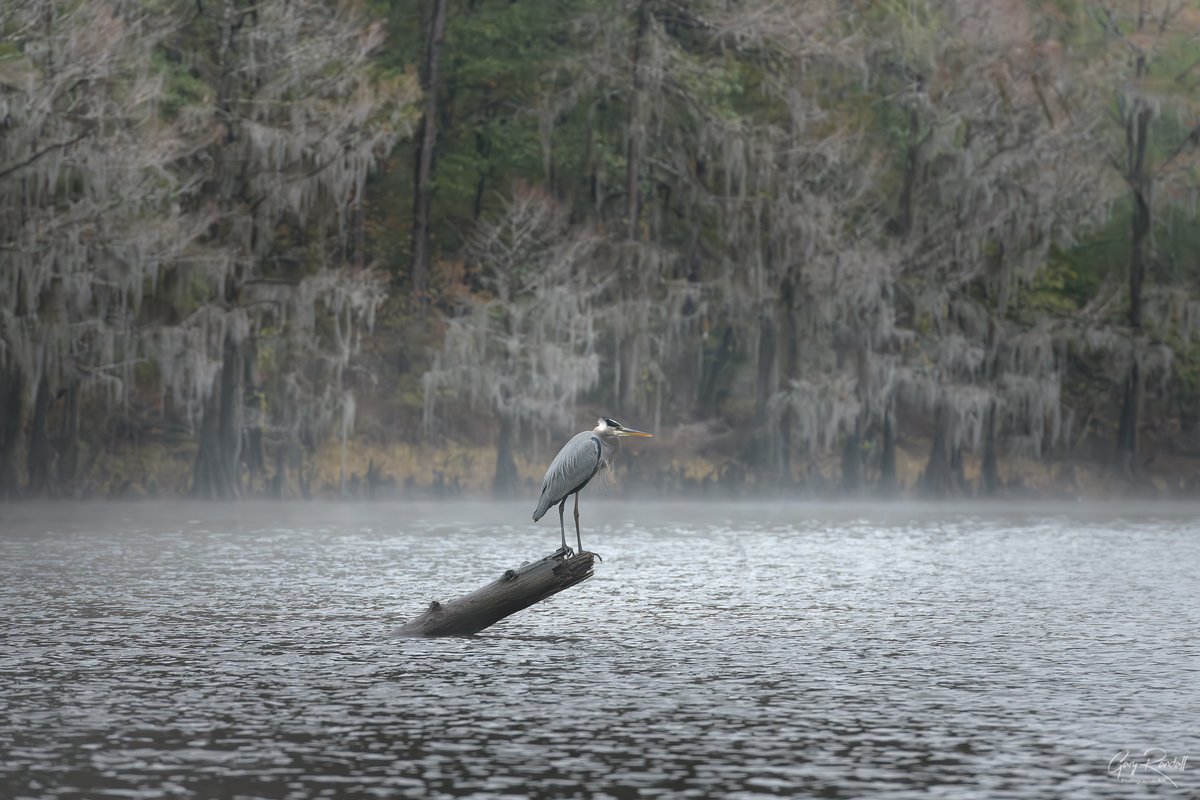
(606, 426)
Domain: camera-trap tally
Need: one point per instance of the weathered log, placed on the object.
(513, 591)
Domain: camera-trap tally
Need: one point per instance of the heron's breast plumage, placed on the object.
(570, 470)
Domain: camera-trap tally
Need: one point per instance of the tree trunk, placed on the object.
(887, 457)
(12, 393)
(278, 484)
(764, 385)
(255, 449)
(627, 347)
(589, 163)
(789, 353)
(989, 473)
(852, 467)
(1127, 431)
(783, 448)
(427, 137)
(255, 457)
(1141, 183)
(1137, 134)
(39, 442)
(68, 449)
(715, 367)
(506, 482)
(942, 476)
(628, 352)
(217, 472)
(853, 476)
(513, 591)
(904, 216)
(636, 126)
(1188, 404)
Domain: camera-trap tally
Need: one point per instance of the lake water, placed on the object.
(719, 651)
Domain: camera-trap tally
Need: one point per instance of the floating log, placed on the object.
(516, 589)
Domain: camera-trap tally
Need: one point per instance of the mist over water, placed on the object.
(720, 650)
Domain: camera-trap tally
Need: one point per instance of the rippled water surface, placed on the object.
(720, 651)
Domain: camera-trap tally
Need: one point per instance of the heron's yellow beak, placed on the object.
(632, 432)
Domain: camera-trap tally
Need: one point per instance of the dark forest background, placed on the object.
(406, 247)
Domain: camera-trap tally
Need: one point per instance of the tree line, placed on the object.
(809, 234)
(181, 191)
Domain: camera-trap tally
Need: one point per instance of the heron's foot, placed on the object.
(564, 551)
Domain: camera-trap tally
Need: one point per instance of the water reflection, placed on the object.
(719, 651)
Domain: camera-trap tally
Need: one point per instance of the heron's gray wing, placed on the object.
(574, 466)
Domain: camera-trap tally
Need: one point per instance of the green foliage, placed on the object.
(1177, 248)
(498, 59)
(1187, 370)
(1057, 288)
(181, 88)
(1072, 277)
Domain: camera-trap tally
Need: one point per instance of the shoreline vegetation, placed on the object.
(348, 248)
(373, 471)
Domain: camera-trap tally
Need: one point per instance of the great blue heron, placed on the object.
(576, 464)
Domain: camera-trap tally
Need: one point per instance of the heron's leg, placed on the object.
(561, 525)
(577, 523)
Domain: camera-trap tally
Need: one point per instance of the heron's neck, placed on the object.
(609, 444)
